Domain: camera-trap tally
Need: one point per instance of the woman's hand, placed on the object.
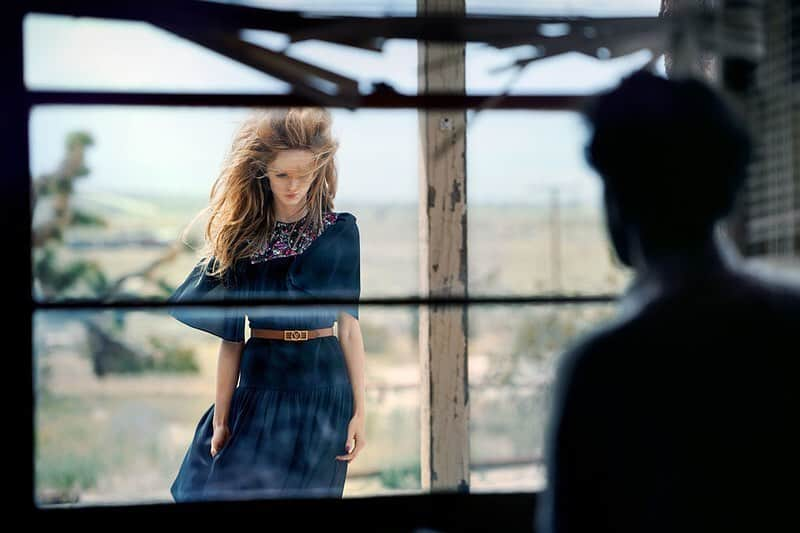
(221, 436)
(355, 438)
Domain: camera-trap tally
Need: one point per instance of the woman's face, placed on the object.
(290, 178)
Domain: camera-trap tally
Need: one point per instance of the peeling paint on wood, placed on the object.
(431, 197)
(443, 268)
(455, 195)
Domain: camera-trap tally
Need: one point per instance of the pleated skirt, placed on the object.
(288, 421)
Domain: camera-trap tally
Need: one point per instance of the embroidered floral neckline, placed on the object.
(291, 238)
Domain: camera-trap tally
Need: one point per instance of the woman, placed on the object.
(296, 418)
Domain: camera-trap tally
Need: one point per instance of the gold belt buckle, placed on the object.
(295, 334)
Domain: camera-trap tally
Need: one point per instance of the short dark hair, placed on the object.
(670, 151)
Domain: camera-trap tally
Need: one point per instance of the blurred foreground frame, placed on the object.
(724, 42)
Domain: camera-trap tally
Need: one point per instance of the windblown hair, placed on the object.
(242, 214)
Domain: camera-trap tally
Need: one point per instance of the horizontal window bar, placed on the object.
(87, 303)
(378, 100)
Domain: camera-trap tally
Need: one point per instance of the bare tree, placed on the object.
(51, 197)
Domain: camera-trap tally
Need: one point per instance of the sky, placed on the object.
(512, 157)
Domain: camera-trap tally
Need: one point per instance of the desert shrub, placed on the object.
(68, 474)
(542, 335)
(172, 358)
(401, 477)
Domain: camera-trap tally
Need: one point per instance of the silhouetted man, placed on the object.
(681, 414)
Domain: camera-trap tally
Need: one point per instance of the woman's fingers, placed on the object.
(350, 444)
(215, 448)
(218, 440)
(359, 445)
(348, 457)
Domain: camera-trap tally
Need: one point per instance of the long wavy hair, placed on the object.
(242, 213)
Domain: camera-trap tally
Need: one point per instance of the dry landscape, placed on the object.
(120, 438)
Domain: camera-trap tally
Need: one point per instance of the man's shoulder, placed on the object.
(779, 287)
(759, 296)
(599, 348)
(751, 299)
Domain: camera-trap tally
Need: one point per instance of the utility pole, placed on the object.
(555, 240)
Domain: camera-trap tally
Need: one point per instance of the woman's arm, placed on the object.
(352, 344)
(230, 354)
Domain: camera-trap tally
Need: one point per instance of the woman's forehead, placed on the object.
(292, 160)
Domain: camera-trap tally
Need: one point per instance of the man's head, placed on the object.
(672, 156)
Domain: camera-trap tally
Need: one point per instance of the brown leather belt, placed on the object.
(291, 334)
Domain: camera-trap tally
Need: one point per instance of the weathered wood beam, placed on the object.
(190, 13)
(362, 32)
(323, 86)
(444, 402)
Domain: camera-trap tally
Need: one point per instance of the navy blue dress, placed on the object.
(290, 411)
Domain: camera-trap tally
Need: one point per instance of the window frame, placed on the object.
(20, 101)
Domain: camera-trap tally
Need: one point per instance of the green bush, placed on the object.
(68, 460)
(401, 477)
(173, 358)
(67, 473)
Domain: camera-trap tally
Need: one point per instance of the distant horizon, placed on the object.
(565, 201)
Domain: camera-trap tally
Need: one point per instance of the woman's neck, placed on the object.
(289, 214)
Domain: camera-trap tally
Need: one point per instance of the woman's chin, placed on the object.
(292, 201)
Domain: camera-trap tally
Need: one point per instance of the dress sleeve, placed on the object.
(332, 269)
(226, 323)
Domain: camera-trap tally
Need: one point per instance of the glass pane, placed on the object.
(128, 181)
(536, 223)
(490, 70)
(122, 399)
(513, 353)
(65, 53)
(395, 65)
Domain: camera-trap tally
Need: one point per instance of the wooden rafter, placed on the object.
(217, 26)
(321, 85)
